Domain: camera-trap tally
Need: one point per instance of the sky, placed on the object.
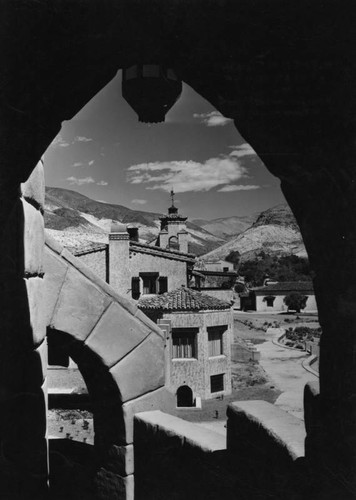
(105, 153)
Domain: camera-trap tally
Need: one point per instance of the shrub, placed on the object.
(295, 301)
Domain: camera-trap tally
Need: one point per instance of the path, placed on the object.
(284, 367)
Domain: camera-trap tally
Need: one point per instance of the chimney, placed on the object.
(119, 258)
(133, 233)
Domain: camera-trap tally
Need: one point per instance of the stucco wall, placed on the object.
(279, 305)
(175, 270)
(196, 372)
(118, 268)
(97, 261)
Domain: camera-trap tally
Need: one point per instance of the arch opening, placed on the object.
(173, 243)
(75, 460)
(305, 175)
(185, 397)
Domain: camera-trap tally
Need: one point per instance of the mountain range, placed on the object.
(275, 231)
(227, 227)
(78, 221)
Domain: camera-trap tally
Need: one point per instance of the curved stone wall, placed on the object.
(119, 352)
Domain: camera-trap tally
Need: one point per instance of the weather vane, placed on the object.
(172, 196)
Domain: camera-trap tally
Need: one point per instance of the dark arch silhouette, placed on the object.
(286, 78)
(184, 396)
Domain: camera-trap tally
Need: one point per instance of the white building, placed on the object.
(270, 297)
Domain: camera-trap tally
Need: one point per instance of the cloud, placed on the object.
(139, 202)
(242, 150)
(79, 182)
(212, 119)
(81, 164)
(189, 175)
(238, 187)
(102, 183)
(81, 138)
(59, 142)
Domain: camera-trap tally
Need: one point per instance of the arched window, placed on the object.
(173, 243)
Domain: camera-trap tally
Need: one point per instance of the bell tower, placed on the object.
(173, 232)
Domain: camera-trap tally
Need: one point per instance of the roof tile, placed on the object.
(182, 299)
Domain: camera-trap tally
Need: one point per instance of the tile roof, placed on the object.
(182, 299)
(286, 286)
(144, 247)
(84, 249)
(218, 273)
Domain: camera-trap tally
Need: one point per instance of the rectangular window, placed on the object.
(149, 283)
(162, 284)
(217, 383)
(215, 340)
(184, 343)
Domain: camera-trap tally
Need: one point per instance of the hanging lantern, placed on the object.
(151, 90)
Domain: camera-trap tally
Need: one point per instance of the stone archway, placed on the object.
(110, 340)
(283, 71)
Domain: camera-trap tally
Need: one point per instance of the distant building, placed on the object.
(216, 278)
(198, 354)
(173, 234)
(270, 297)
(218, 265)
(133, 268)
(140, 269)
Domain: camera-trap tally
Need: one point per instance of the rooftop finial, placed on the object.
(172, 196)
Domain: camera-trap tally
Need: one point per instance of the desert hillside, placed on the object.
(275, 232)
(77, 221)
(226, 227)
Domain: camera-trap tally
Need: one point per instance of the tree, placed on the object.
(285, 268)
(295, 301)
(234, 258)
